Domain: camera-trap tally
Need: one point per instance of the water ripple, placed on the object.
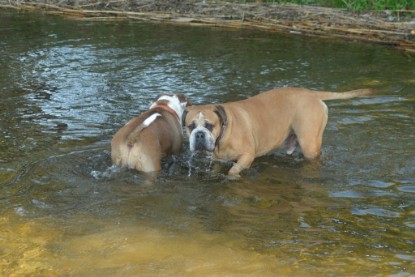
(376, 212)
(410, 189)
(347, 194)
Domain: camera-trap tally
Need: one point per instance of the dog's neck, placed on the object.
(220, 111)
(167, 108)
(221, 134)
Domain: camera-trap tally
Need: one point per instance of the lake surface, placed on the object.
(67, 86)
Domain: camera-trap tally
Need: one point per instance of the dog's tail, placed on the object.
(326, 95)
(131, 138)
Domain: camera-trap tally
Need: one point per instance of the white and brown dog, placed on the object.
(243, 130)
(145, 140)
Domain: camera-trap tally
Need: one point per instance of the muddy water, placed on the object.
(67, 86)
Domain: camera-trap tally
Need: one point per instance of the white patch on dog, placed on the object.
(174, 103)
(150, 120)
(131, 139)
(200, 116)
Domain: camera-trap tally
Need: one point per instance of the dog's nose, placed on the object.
(200, 136)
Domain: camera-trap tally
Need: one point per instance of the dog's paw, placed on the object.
(235, 169)
(233, 177)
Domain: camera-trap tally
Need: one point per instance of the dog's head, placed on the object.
(176, 102)
(205, 126)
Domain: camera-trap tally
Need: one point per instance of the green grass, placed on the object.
(353, 5)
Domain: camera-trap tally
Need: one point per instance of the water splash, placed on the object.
(200, 162)
(107, 173)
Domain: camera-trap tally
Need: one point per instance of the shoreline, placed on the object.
(284, 18)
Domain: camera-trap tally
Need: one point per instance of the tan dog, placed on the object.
(243, 130)
(148, 138)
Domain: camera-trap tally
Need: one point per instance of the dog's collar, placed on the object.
(220, 111)
(167, 108)
(219, 138)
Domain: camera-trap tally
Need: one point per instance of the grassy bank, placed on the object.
(352, 5)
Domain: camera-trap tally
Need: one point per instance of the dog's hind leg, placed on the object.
(150, 162)
(311, 147)
(309, 129)
(150, 165)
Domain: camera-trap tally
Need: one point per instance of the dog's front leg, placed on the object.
(243, 162)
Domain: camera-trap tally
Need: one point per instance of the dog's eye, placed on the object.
(209, 126)
(191, 126)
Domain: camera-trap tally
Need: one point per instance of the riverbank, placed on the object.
(381, 28)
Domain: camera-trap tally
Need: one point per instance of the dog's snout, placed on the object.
(201, 140)
(200, 136)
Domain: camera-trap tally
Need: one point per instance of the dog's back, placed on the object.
(145, 140)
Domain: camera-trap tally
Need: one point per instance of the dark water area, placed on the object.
(67, 86)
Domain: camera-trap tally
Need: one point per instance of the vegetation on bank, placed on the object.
(353, 5)
(406, 7)
(394, 27)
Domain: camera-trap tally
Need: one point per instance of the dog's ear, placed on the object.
(183, 99)
(220, 111)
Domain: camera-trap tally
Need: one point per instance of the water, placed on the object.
(67, 86)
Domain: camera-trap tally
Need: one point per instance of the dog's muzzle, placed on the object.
(201, 140)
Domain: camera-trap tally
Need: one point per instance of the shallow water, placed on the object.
(67, 86)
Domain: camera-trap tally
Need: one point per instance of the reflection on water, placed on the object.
(67, 86)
